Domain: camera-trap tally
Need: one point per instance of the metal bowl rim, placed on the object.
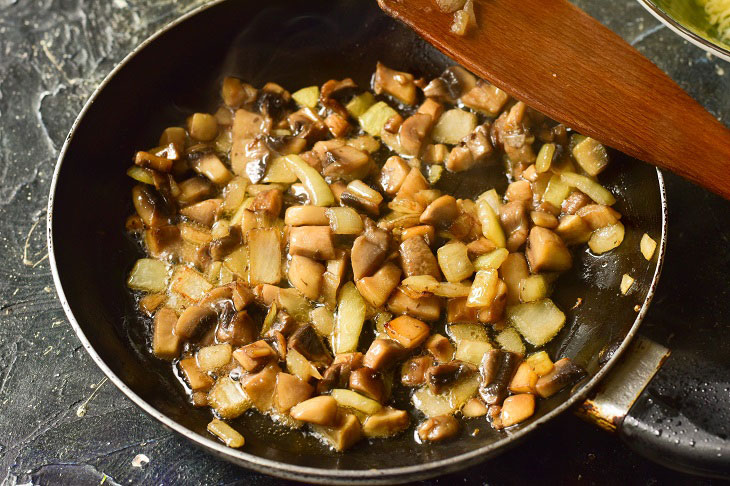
(678, 28)
(313, 474)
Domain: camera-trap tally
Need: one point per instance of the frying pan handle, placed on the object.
(686, 434)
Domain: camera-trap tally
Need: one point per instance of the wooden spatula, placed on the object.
(562, 62)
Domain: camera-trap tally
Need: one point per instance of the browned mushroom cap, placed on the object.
(408, 331)
(238, 331)
(290, 390)
(203, 212)
(413, 371)
(194, 189)
(546, 251)
(486, 98)
(454, 82)
(417, 258)
(161, 240)
(392, 174)
(497, 368)
(440, 348)
(222, 247)
(283, 324)
(260, 387)
(308, 343)
(193, 319)
(438, 428)
(312, 242)
(386, 423)
(413, 132)
(347, 163)
(440, 377)
(331, 93)
(368, 382)
(396, 83)
(337, 375)
(307, 124)
(513, 217)
(255, 356)
(268, 202)
(369, 250)
(565, 372)
(149, 206)
(383, 353)
(440, 213)
(427, 307)
(320, 410)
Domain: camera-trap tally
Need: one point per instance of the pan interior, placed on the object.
(295, 44)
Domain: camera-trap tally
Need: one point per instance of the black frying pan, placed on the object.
(295, 44)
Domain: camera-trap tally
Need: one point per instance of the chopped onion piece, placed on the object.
(317, 189)
(606, 238)
(590, 187)
(626, 282)
(149, 275)
(538, 322)
(648, 246)
(351, 310)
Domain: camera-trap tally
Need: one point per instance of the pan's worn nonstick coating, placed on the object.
(296, 44)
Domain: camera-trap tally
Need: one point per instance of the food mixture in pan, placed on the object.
(303, 263)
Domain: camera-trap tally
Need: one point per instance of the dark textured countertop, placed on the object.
(52, 55)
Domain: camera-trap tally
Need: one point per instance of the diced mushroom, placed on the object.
(480, 246)
(306, 276)
(451, 85)
(321, 410)
(235, 93)
(396, 83)
(165, 342)
(221, 247)
(377, 288)
(362, 197)
(253, 357)
(575, 201)
(283, 324)
(368, 382)
(546, 220)
(436, 429)
(440, 213)
(242, 295)
(546, 252)
(413, 132)
(442, 376)
(152, 161)
(460, 159)
(458, 312)
(517, 408)
(268, 202)
(427, 307)
(308, 343)
(565, 372)
(385, 423)
(260, 387)
(524, 379)
(162, 240)
(413, 183)
(347, 163)
(203, 212)
(413, 371)
(196, 378)
(417, 258)
(598, 216)
(343, 434)
(440, 347)
(515, 223)
(369, 250)
(194, 189)
(519, 191)
(202, 126)
(307, 124)
(394, 172)
(290, 390)
(383, 353)
(149, 206)
(312, 242)
(486, 98)
(497, 368)
(427, 232)
(337, 125)
(193, 320)
(573, 230)
(238, 331)
(337, 375)
(409, 332)
(478, 143)
(474, 408)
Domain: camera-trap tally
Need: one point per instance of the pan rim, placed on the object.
(313, 474)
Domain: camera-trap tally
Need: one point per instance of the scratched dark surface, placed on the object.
(52, 55)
